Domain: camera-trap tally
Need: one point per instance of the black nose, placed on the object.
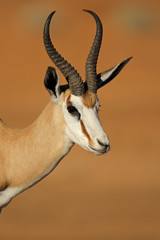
(107, 146)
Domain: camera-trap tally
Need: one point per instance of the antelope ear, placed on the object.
(105, 77)
(51, 82)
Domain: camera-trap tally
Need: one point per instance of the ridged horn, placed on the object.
(73, 78)
(91, 62)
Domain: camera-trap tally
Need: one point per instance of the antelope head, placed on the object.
(77, 99)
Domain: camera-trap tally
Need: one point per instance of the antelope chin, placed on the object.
(99, 151)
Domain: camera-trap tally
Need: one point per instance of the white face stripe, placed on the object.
(87, 130)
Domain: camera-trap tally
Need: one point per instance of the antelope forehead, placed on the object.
(75, 100)
(89, 100)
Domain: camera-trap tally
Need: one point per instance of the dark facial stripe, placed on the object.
(85, 132)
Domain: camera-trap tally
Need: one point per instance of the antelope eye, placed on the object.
(72, 110)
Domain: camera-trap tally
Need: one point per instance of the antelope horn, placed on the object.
(73, 78)
(91, 62)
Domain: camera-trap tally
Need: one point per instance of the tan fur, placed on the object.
(89, 99)
(27, 154)
(68, 100)
(67, 95)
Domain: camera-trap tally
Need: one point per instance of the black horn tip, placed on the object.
(91, 12)
(127, 60)
(47, 23)
(86, 10)
(50, 16)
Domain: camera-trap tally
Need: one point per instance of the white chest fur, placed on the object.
(8, 194)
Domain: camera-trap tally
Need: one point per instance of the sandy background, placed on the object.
(112, 197)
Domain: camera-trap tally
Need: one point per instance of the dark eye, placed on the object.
(72, 110)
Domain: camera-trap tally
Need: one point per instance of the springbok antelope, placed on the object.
(28, 155)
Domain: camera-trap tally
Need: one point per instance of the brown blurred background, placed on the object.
(87, 197)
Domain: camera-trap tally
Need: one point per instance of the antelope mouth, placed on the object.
(100, 151)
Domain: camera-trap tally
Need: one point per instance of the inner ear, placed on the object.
(107, 76)
(51, 81)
